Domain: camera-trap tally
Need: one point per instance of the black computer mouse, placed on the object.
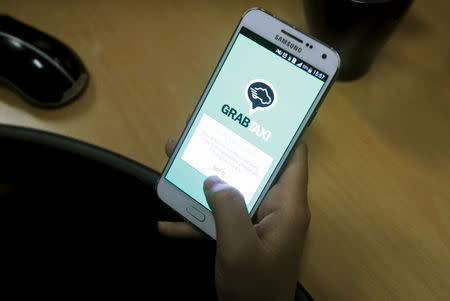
(43, 70)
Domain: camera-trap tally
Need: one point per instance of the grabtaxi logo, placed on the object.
(261, 95)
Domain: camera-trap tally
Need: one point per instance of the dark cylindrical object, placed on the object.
(357, 29)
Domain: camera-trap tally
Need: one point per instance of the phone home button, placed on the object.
(196, 213)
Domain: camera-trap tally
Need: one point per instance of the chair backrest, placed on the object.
(77, 211)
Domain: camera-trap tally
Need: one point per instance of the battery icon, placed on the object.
(294, 60)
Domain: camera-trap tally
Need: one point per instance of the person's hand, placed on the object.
(256, 262)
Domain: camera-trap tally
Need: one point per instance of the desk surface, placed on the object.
(379, 148)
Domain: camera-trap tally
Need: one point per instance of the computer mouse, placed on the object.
(42, 69)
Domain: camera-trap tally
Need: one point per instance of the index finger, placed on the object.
(296, 172)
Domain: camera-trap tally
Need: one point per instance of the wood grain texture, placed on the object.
(379, 148)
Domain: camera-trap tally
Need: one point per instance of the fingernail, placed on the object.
(212, 181)
(161, 225)
(171, 141)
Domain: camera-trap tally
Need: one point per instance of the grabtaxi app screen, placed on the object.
(249, 117)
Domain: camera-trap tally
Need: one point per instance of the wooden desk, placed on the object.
(379, 148)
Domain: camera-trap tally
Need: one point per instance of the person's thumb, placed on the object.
(232, 220)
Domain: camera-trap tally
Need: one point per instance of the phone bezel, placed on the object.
(267, 26)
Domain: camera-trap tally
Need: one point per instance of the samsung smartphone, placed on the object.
(263, 94)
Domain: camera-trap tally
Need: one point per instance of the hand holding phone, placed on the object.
(256, 262)
(263, 94)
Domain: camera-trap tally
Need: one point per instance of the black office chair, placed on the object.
(79, 220)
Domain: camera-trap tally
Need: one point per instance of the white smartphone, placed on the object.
(263, 94)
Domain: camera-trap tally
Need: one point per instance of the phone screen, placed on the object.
(250, 115)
